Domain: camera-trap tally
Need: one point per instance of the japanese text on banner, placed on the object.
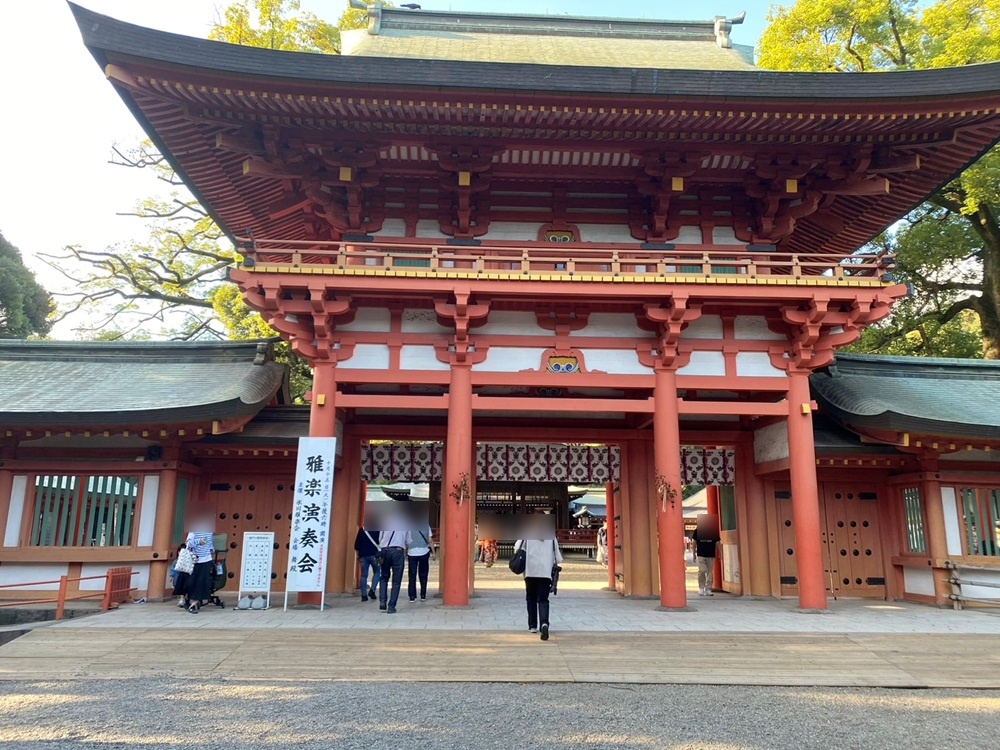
(307, 554)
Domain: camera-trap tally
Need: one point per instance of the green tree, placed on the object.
(24, 304)
(276, 24)
(948, 250)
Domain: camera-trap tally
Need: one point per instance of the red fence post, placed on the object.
(61, 600)
(108, 582)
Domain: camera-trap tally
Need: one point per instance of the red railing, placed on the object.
(563, 259)
(117, 587)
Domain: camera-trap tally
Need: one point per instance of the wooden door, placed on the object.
(851, 542)
(253, 502)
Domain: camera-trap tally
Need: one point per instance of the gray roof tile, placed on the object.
(943, 397)
(64, 385)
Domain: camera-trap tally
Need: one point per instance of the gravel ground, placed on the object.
(142, 714)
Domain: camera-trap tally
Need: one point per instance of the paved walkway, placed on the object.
(597, 637)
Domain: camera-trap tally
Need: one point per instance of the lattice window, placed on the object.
(981, 513)
(84, 511)
(914, 518)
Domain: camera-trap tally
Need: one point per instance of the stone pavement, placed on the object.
(598, 636)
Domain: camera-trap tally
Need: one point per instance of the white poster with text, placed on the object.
(309, 541)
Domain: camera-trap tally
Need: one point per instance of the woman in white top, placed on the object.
(540, 557)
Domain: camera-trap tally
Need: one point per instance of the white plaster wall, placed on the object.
(371, 319)
(510, 359)
(140, 581)
(770, 443)
(606, 232)
(730, 563)
(422, 321)
(689, 235)
(952, 528)
(754, 328)
(985, 576)
(367, 357)
(614, 362)
(395, 228)
(506, 323)
(756, 365)
(420, 358)
(29, 572)
(16, 511)
(613, 325)
(706, 327)
(918, 581)
(725, 236)
(705, 363)
(513, 230)
(430, 228)
(147, 510)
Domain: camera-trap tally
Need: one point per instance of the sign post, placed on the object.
(308, 546)
(255, 567)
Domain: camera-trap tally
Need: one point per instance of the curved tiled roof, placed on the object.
(943, 397)
(188, 93)
(62, 385)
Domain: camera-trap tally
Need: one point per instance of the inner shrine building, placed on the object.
(558, 249)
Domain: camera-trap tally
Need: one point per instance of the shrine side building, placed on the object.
(552, 250)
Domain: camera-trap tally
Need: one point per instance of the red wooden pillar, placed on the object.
(609, 509)
(456, 503)
(670, 513)
(322, 423)
(712, 503)
(163, 524)
(805, 494)
(937, 542)
(757, 573)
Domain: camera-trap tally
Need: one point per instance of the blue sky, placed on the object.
(57, 187)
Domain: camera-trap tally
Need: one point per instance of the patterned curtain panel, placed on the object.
(521, 462)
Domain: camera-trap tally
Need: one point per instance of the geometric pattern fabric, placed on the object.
(531, 462)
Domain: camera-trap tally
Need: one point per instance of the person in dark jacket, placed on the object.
(366, 545)
(705, 550)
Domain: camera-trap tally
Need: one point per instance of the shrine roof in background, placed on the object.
(937, 397)
(548, 40)
(63, 385)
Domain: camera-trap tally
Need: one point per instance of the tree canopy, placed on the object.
(276, 24)
(172, 283)
(948, 250)
(24, 303)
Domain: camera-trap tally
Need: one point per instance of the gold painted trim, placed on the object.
(726, 279)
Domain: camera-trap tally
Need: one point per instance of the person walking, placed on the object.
(366, 546)
(541, 555)
(419, 550)
(393, 544)
(704, 551)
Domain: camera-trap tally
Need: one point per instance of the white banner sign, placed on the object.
(255, 567)
(307, 549)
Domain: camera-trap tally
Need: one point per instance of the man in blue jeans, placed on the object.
(393, 544)
(366, 545)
